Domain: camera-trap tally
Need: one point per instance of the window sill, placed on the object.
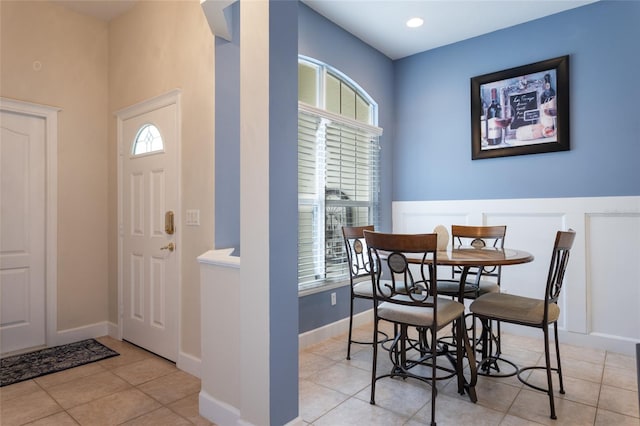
(323, 287)
(328, 286)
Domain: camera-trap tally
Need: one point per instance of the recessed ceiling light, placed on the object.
(415, 22)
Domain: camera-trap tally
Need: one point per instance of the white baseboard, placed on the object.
(593, 341)
(189, 364)
(334, 329)
(218, 412)
(71, 335)
(295, 422)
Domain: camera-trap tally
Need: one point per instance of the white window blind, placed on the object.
(338, 185)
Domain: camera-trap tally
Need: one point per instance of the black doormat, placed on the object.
(18, 368)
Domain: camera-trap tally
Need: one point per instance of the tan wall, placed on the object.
(154, 48)
(72, 51)
(91, 69)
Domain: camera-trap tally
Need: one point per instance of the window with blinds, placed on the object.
(338, 185)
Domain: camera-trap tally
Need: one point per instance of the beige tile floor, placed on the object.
(600, 386)
(135, 388)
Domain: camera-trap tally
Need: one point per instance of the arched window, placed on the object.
(338, 169)
(148, 140)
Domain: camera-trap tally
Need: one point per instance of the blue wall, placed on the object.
(432, 150)
(227, 159)
(320, 39)
(283, 211)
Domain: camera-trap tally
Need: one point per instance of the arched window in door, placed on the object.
(148, 140)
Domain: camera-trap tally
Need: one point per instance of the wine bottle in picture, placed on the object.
(483, 123)
(548, 107)
(548, 93)
(494, 132)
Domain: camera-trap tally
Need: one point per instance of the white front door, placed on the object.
(149, 247)
(22, 231)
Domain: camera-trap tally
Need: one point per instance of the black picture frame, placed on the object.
(535, 96)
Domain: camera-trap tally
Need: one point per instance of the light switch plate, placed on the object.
(193, 217)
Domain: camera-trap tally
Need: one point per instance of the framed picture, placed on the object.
(522, 110)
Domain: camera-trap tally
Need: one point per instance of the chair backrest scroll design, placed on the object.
(558, 266)
(479, 237)
(357, 255)
(394, 254)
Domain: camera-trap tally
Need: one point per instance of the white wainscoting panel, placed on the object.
(614, 285)
(601, 298)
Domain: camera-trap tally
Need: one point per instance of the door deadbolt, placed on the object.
(169, 227)
(170, 247)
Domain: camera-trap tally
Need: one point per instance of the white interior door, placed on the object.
(149, 257)
(22, 231)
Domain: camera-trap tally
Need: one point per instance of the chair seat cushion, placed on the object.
(512, 308)
(365, 289)
(420, 316)
(451, 288)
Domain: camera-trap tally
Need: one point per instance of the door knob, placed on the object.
(170, 247)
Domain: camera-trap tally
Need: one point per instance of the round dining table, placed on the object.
(466, 258)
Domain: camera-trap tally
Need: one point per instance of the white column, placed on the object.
(254, 211)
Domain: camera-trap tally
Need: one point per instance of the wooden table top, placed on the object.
(472, 256)
(485, 256)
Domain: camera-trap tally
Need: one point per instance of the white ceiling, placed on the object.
(381, 23)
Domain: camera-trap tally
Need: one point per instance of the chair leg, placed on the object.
(474, 334)
(547, 358)
(402, 354)
(555, 332)
(484, 338)
(350, 330)
(465, 347)
(375, 362)
(434, 353)
(459, 355)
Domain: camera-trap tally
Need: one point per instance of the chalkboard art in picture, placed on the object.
(522, 110)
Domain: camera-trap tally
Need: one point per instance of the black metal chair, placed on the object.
(478, 281)
(531, 312)
(408, 298)
(359, 273)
